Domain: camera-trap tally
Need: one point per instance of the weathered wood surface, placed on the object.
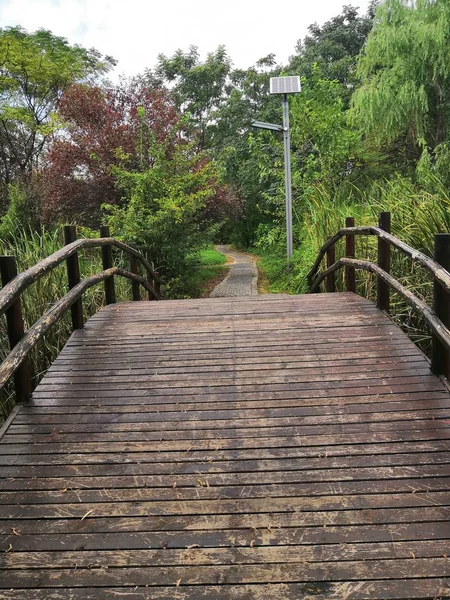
(54, 314)
(438, 328)
(270, 447)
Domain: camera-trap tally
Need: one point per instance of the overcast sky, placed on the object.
(136, 31)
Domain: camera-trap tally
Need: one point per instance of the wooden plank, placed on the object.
(249, 523)
(375, 589)
(207, 575)
(307, 415)
(310, 535)
(56, 491)
(255, 555)
(290, 510)
(261, 449)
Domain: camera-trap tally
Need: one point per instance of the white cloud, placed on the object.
(136, 31)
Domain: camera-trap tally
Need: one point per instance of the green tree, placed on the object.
(163, 208)
(198, 88)
(334, 47)
(34, 70)
(404, 98)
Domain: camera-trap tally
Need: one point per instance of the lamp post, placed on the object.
(284, 86)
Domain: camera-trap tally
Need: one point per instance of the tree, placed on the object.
(405, 73)
(163, 207)
(334, 47)
(198, 88)
(105, 128)
(35, 68)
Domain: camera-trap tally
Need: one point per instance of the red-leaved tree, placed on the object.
(103, 128)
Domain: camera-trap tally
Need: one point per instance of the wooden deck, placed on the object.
(256, 448)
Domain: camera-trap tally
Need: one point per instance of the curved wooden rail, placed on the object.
(438, 272)
(437, 318)
(436, 325)
(37, 331)
(21, 282)
(16, 363)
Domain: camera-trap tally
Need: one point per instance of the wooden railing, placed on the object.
(437, 317)
(14, 284)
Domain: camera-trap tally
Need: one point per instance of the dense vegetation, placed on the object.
(170, 161)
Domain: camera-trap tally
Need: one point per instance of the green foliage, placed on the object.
(211, 257)
(405, 75)
(21, 212)
(162, 210)
(198, 88)
(335, 46)
(34, 69)
(207, 269)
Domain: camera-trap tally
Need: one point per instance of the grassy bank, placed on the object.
(209, 270)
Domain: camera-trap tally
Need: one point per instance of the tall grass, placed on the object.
(29, 247)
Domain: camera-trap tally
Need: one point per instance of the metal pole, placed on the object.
(287, 176)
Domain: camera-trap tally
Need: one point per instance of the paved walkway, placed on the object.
(242, 279)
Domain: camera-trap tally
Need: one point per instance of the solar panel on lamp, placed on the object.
(285, 85)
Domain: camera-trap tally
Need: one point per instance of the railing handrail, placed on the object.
(54, 314)
(437, 317)
(436, 325)
(21, 341)
(438, 272)
(12, 290)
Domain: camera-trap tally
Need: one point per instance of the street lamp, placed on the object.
(284, 86)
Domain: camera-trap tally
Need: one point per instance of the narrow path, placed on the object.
(242, 279)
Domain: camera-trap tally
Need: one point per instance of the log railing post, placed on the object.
(110, 293)
(384, 262)
(73, 275)
(350, 281)
(156, 284)
(440, 357)
(135, 289)
(151, 282)
(15, 327)
(331, 278)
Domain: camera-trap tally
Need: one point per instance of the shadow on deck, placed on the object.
(272, 447)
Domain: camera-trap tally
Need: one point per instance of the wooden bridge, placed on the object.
(272, 447)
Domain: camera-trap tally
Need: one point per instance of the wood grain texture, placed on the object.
(272, 447)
